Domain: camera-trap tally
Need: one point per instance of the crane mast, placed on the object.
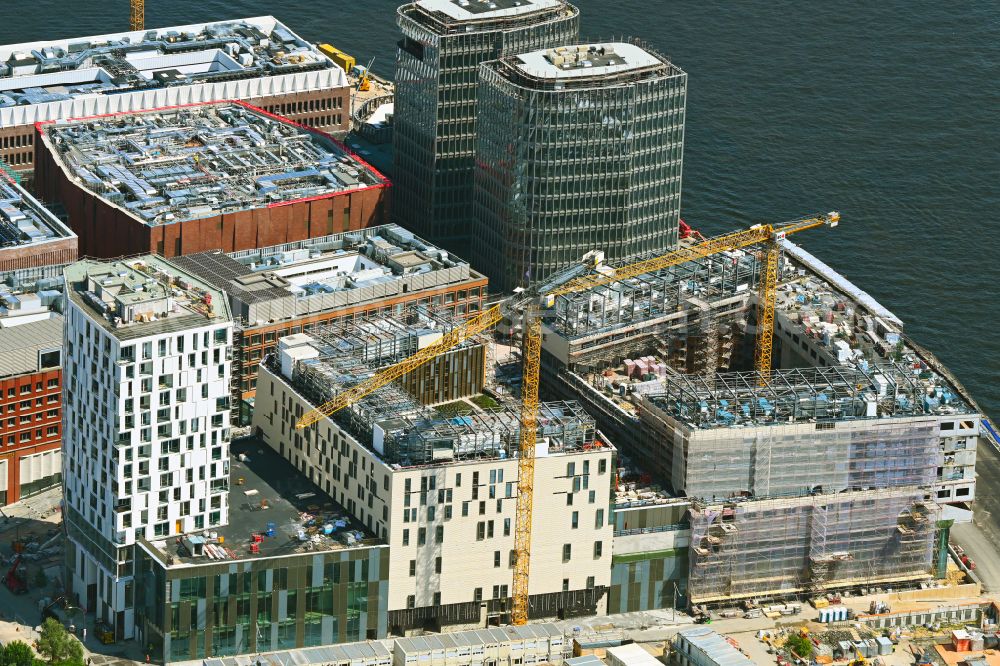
(138, 15)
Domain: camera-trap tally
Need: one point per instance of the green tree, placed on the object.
(57, 646)
(801, 645)
(16, 653)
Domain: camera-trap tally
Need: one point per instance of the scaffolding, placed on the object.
(809, 544)
(397, 425)
(686, 314)
(832, 393)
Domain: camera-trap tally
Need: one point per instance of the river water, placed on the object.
(888, 112)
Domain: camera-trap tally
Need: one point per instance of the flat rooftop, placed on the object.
(478, 9)
(60, 70)
(714, 647)
(24, 222)
(267, 492)
(394, 424)
(589, 65)
(175, 164)
(597, 60)
(325, 273)
(143, 296)
(32, 346)
(31, 320)
(839, 393)
(447, 16)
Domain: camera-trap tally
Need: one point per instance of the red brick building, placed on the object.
(30, 407)
(227, 176)
(30, 235)
(302, 83)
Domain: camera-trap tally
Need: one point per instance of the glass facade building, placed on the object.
(579, 148)
(249, 606)
(434, 126)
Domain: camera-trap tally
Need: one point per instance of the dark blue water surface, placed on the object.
(888, 112)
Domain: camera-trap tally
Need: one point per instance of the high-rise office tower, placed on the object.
(579, 148)
(437, 69)
(146, 427)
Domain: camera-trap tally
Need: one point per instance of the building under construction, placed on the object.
(828, 472)
(258, 60)
(201, 177)
(691, 316)
(430, 465)
(816, 430)
(810, 544)
(291, 288)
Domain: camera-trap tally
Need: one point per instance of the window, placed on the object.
(575, 520)
(421, 536)
(602, 466)
(599, 519)
(590, 582)
(437, 564)
(465, 508)
(571, 469)
(569, 499)
(565, 587)
(567, 552)
(496, 558)
(598, 549)
(439, 534)
(411, 601)
(406, 537)
(480, 531)
(489, 529)
(506, 526)
(477, 594)
(413, 567)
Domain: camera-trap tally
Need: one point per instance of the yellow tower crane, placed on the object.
(138, 15)
(761, 234)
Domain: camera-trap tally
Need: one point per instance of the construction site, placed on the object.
(293, 288)
(201, 177)
(818, 430)
(782, 547)
(445, 434)
(399, 420)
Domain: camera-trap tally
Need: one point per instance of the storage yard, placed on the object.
(201, 177)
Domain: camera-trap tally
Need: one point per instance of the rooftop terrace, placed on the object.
(271, 498)
(24, 222)
(326, 273)
(52, 71)
(170, 165)
(143, 296)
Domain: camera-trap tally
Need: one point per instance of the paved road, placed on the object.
(981, 538)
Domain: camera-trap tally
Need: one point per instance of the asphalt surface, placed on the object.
(981, 539)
